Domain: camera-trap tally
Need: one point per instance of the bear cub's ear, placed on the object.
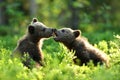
(31, 29)
(34, 20)
(77, 33)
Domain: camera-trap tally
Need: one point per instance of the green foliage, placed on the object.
(58, 63)
(12, 11)
(90, 16)
(96, 20)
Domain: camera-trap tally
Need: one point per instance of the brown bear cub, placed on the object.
(84, 51)
(31, 43)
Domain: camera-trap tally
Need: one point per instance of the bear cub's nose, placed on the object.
(54, 30)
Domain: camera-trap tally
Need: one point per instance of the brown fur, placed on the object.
(31, 44)
(84, 51)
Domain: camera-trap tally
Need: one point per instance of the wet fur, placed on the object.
(84, 51)
(31, 43)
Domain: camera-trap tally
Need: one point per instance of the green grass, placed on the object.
(58, 62)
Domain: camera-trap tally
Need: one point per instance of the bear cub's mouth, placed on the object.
(55, 36)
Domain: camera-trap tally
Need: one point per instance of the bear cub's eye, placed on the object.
(63, 30)
(43, 29)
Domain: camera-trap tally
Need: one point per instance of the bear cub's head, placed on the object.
(38, 29)
(66, 35)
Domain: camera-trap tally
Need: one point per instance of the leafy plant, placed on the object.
(58, 62)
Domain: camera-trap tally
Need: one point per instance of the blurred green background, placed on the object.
(99, 18)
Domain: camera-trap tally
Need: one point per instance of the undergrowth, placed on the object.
(58, 63)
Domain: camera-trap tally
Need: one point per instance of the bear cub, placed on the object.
(31, 43)
(84, 51)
